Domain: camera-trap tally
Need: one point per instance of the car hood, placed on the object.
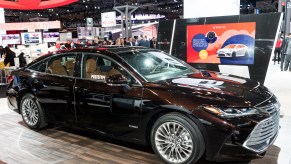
(221, 88)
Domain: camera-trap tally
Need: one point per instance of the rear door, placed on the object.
(55, 87)
(108, 109)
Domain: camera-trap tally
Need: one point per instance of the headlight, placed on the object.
(230, 112)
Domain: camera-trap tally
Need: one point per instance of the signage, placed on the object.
(89, 22)
(31, 38)
(30, 25)
(10, 39)
(108, 19)
(230, 43)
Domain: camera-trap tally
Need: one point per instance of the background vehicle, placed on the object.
(147, 97)
(233, 50)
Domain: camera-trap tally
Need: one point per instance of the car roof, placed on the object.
(93, 49)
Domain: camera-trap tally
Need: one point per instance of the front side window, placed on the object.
(62, 65)
(155, 65)
(98, 68)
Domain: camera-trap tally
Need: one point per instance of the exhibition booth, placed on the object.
(207, 91)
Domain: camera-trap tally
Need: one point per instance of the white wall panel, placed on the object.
(210, 8)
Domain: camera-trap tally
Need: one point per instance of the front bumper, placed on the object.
(224, 54)
(260, 137)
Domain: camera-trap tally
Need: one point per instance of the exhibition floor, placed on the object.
(61, 144)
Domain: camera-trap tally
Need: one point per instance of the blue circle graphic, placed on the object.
(199, 43)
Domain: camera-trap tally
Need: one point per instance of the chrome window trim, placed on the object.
(49, 58)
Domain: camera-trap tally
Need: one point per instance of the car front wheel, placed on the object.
(177, 139)
(31, 112)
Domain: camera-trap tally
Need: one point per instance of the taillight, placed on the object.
(10, 79)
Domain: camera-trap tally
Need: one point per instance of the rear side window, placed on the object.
(62, 65)
(40, 66)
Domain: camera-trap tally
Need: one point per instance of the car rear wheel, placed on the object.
(177, 139)
(31, 112)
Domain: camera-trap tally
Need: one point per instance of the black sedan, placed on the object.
(148, 97)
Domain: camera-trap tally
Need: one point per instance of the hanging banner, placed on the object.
(34, 4)
(30, 25)
(108, 19)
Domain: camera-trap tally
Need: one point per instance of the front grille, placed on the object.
(265, 133)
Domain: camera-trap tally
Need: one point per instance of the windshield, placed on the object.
(230, 46)
(155, 65)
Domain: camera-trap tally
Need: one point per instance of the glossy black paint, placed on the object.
(128, 114)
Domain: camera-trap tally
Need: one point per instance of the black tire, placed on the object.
(233, 54)
(40, 123)
(197, 138)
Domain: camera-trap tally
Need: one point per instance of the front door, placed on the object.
(108, 109)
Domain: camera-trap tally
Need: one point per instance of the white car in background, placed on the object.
(233, 50)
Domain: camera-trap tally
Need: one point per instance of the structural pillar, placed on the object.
(126, 12)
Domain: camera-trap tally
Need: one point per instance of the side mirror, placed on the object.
(116, 80)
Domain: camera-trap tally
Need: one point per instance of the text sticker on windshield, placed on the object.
(98, 77)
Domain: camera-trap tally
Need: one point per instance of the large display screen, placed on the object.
(51, 37)
(10, 39)
(231, 43)
(31, 38)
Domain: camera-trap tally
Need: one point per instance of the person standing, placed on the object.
(22, 61)
(147, 42)
(287, 57)
(68, 44)
(117, 42)
(277, 53)
(130, 42)
(1, 51)
(285, 46)
(153, 43)
(9, 58)
(142, 42)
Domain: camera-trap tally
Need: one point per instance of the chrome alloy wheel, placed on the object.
(173, 142)
(30, 112)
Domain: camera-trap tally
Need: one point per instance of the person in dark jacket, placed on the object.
(9, 58)
(287, 60)
(153, 43)
(22, 61)
(2, 51)
(142, 42)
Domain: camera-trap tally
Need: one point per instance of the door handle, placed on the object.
(81, 89)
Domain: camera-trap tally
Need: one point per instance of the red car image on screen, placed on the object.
(233, 50)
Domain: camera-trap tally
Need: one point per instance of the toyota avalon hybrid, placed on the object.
(147, 97)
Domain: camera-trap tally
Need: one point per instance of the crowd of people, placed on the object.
(130, 41)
